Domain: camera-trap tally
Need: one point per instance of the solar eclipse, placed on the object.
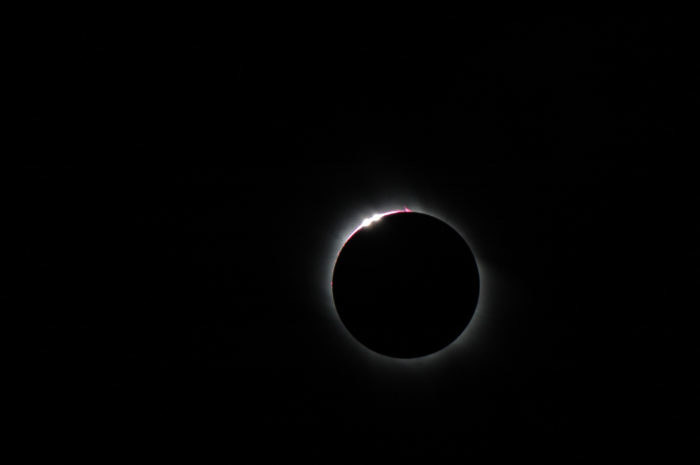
(405, 284)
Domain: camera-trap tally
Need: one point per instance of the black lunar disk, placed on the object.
(406, 284)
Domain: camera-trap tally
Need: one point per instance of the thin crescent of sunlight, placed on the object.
(374, 218)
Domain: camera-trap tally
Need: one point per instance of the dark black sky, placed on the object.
(181, 190)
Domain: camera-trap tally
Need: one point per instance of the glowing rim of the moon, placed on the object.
(368, 222)
(459, 340)
(376, 217)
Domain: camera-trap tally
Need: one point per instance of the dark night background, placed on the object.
(180, 187)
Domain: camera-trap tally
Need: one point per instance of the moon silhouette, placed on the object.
(405, 284)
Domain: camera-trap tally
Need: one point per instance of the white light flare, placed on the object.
(373, 219)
